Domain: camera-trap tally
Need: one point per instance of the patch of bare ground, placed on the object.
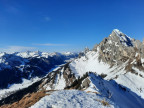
(93, 92)
(103, 102)
(27, 101)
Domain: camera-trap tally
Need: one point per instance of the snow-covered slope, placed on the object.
(72, 99)
(90, 63)
(118, 58)
(16, 87)
(93, 89)
(115, 94)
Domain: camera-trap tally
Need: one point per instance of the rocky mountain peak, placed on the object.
(118, 48)
(121, 38)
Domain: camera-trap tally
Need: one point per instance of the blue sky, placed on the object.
(66, 25)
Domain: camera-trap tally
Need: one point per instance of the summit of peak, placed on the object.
(118, 32)
(121, 37)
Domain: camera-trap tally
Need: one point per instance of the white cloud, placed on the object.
(11, 49)
(50, 44)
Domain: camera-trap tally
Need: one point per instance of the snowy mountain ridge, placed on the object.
(111, 75)
(28, 54)
(7, 59)
(115, 61)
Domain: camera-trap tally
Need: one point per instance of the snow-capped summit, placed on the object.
(67, 53)
(121, 38)
(118, 32)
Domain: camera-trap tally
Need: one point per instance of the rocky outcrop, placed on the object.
(119, 48)
(58, 79)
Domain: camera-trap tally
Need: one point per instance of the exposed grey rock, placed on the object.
(85, 83)
(118, 48)
(52, 78)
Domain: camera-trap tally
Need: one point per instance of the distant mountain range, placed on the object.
(109, 75)
(16, 66)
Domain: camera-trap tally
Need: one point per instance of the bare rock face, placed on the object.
(59, 79)
(85, 83)
(118, 48)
